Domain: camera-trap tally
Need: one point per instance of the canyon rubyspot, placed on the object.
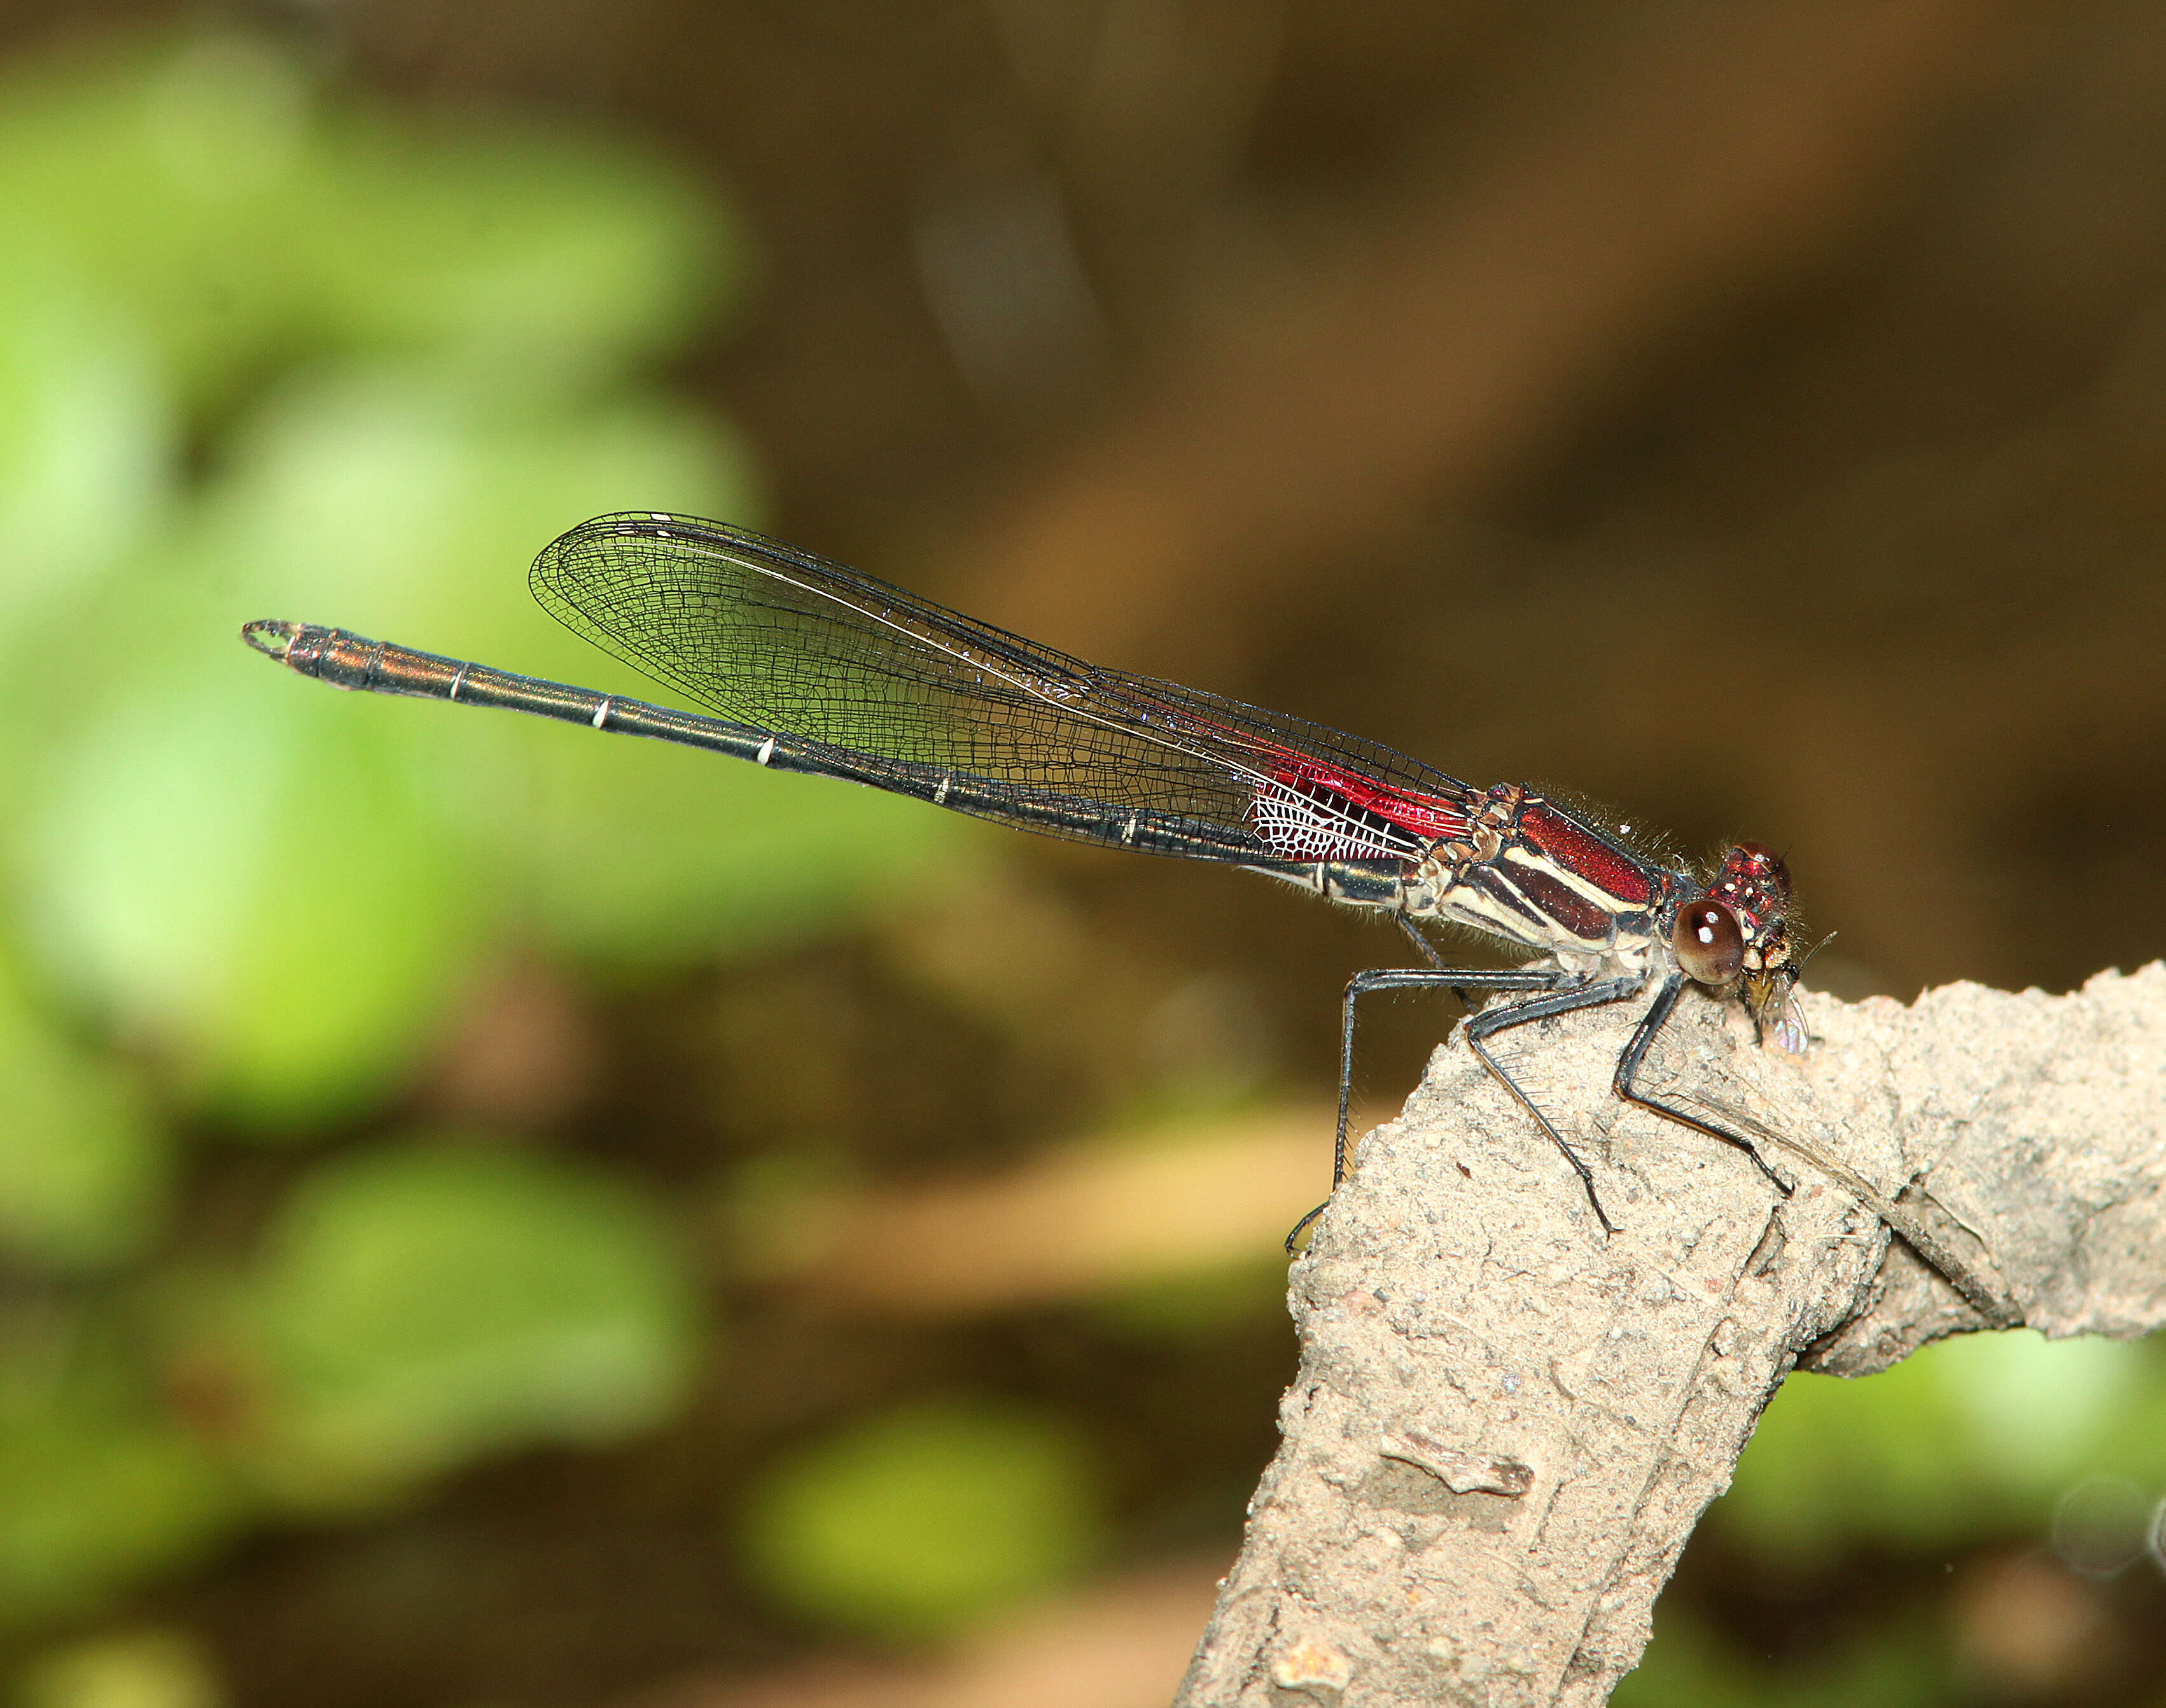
(815, 667)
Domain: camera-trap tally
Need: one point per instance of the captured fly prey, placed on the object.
(812, 667)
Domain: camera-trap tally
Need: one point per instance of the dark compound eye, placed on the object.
(1709, 942)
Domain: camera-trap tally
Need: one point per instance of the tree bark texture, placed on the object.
(1506, 1424)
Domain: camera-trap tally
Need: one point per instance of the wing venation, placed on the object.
(767, 635)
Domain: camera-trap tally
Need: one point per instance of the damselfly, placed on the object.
(813, 666)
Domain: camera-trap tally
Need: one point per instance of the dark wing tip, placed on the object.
(563, 561)
(636, 523)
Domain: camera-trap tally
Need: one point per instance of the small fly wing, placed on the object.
(1790, 1031)
(780, 639)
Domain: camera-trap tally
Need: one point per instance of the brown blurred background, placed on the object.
(1750, 416)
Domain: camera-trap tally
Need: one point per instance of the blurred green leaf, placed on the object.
(925, 1520)
(84, 1169)
(202, 180)
(1971, 1436)
(1895, 1665)
(1832, 1459)
(132, 1669)
(2036, 1408)
(422, 1305)
(98, 1490)
(256, 886)
(86, 435)
(283, 897)
(402, 502)
(643, 855)
(178, 175)
(283, 887)
(571, 250)
(404, 508)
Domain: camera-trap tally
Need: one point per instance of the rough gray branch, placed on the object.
(1505, 1425)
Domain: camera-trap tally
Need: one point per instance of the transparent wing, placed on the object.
(779, 639)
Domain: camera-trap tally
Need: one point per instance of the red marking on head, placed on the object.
(1753, 879)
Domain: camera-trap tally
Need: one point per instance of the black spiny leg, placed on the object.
(1485, 1025)
(1635, 1054)
(1430, 954)
(1457, 979)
